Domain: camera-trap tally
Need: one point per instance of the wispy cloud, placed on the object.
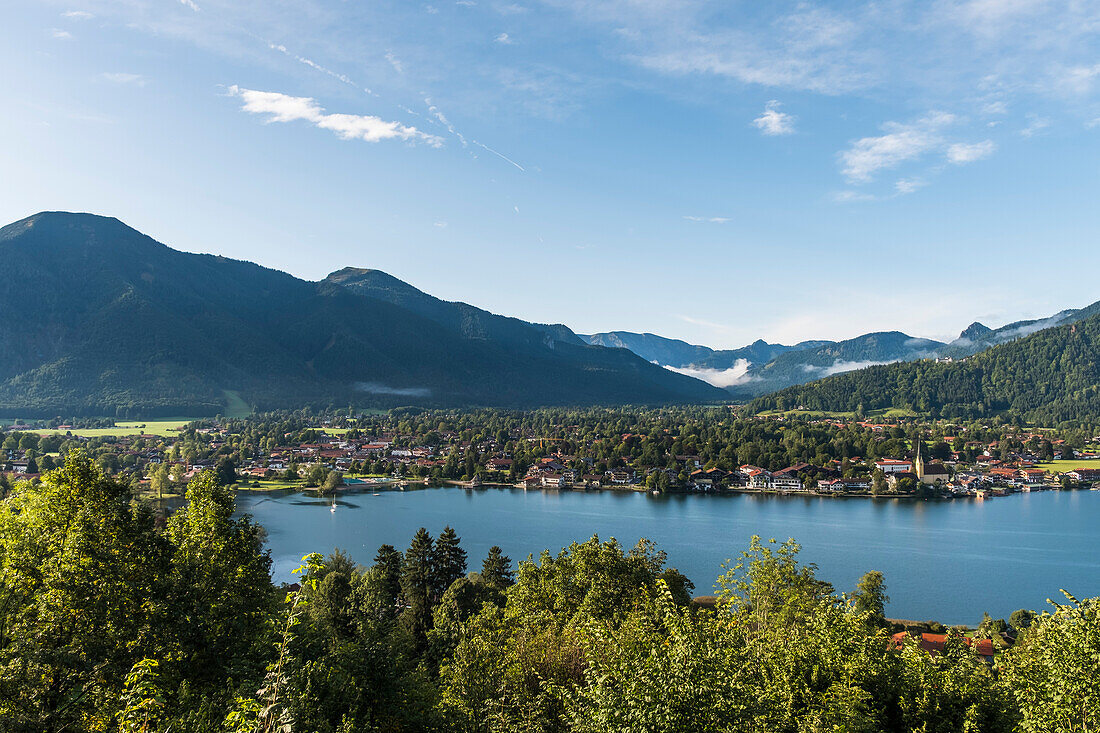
(902, 142)
(344, 78)
(961, 153)
(849, 197)
(504, 39)
(125, 78)
(1034, 126)
(840, 366)
(442, 119)
(905, 186)
(60, 34)
(774, 122)
(190, 4)
(77, 15)
(708, 219)
(285, 108)
(395, 62)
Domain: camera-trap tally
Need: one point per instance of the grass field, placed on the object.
(822, 414)
(1063, 466)
(162, 428)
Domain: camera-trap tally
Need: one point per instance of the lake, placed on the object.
(948, 560)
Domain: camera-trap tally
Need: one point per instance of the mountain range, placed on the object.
(1047, 377)
(762, 368)
(101, 319)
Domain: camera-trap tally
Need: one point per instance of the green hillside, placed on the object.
(1049, 377)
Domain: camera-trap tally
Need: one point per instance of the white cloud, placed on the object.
(190, 4)
(78, 15)
(504, 39)
(1034, 126)
(708, 219)
(774, 122)
(961, 153)
(902, 142)
(840, 366)
(60, 34)
(440, 225)
(465, 3)
(285, 108)
(380, 388)
(124, 78)
(1093, 123)
(908, 185)
(737, 374)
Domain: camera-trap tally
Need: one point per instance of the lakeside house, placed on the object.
(935, 644)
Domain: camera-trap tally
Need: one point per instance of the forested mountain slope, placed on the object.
(1050, 376)
(101, 319)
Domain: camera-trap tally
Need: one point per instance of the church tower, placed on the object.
(918, 462)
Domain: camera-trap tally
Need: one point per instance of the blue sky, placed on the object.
(712, 171)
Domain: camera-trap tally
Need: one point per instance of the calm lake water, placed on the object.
(948, 560)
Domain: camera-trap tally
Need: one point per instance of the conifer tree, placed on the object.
(448, 562)
(496, 570)
(416, 585)
(389, 561)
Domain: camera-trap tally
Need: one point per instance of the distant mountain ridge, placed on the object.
(762, 368)
(101, 319)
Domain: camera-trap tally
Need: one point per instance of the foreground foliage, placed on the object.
(111, 622)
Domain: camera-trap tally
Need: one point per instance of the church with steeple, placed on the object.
(930, 473)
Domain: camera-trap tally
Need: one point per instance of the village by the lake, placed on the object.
(944, 463)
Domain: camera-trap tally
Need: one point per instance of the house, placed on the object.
(1032, 476)
(893, 465)
(553, 481)
(499, 464)
(857, 484)
(709, 479)
(935, 643)
(830, 486)
(1084, 474)
(786, 482)
(622, 476)
(760, 479)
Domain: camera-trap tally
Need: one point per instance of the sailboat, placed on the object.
(333, 507)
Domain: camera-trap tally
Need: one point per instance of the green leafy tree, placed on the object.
(870, 597)
(1052, 671)
(221, 583)
(83, 597)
